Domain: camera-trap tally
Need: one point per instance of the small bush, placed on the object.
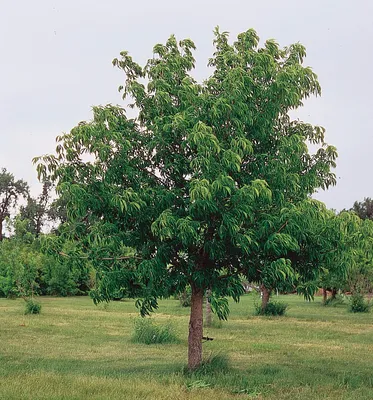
(32, 307)
(273, 308)
(145, 331)
(358, 304)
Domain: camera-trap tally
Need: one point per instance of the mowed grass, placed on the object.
(75, 350)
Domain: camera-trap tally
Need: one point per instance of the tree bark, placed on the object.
(1, 230)
(195, 328)
(324, 295)
(265, 296)
(208, 309)
(334, 294)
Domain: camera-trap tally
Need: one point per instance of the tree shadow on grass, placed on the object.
(112, 368)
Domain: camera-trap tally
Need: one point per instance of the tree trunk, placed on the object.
(324, 295)
(208, 309)
(1, 230)
(334, 294)
(195, 328)
(265, 297)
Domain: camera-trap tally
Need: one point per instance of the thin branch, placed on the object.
(159, 180)
(282, 226)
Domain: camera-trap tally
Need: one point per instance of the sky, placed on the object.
(55, 64)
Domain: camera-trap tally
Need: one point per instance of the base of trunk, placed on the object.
(195, 329)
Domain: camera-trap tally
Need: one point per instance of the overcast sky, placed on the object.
(56, 64)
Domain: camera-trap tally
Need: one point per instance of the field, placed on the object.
(75, 350)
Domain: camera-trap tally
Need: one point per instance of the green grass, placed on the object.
(75, 350)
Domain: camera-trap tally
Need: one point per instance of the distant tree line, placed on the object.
(25, 268)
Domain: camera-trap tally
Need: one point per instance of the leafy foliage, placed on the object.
(358, 304)
(32, 307)
(25, 269)
(274, 308)
(147, 332)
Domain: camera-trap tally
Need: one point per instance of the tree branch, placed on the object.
(282, 226)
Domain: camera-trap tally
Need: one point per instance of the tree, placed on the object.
(10, 192)
(36, 210)
(360, 274)
(284, 235)
(20, 262)
(186, 183)
(364, 209)
(26, 269)
(57, 212)
(330, 249)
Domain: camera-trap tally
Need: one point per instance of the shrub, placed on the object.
(145, 331)
(273, 308)
(358, 303)
(32, 307)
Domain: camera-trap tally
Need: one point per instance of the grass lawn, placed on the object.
(75, 350)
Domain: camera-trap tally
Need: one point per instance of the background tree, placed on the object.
(20, 262)
(331, 247)
(10, 192)
(187, 183)
(360, 276)
(36, 210)
(57, 212)
(26, 267)
(364, 209)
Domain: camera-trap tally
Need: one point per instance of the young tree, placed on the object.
(360, 274)
(10, 192)
(187, 183)
(329, 249)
